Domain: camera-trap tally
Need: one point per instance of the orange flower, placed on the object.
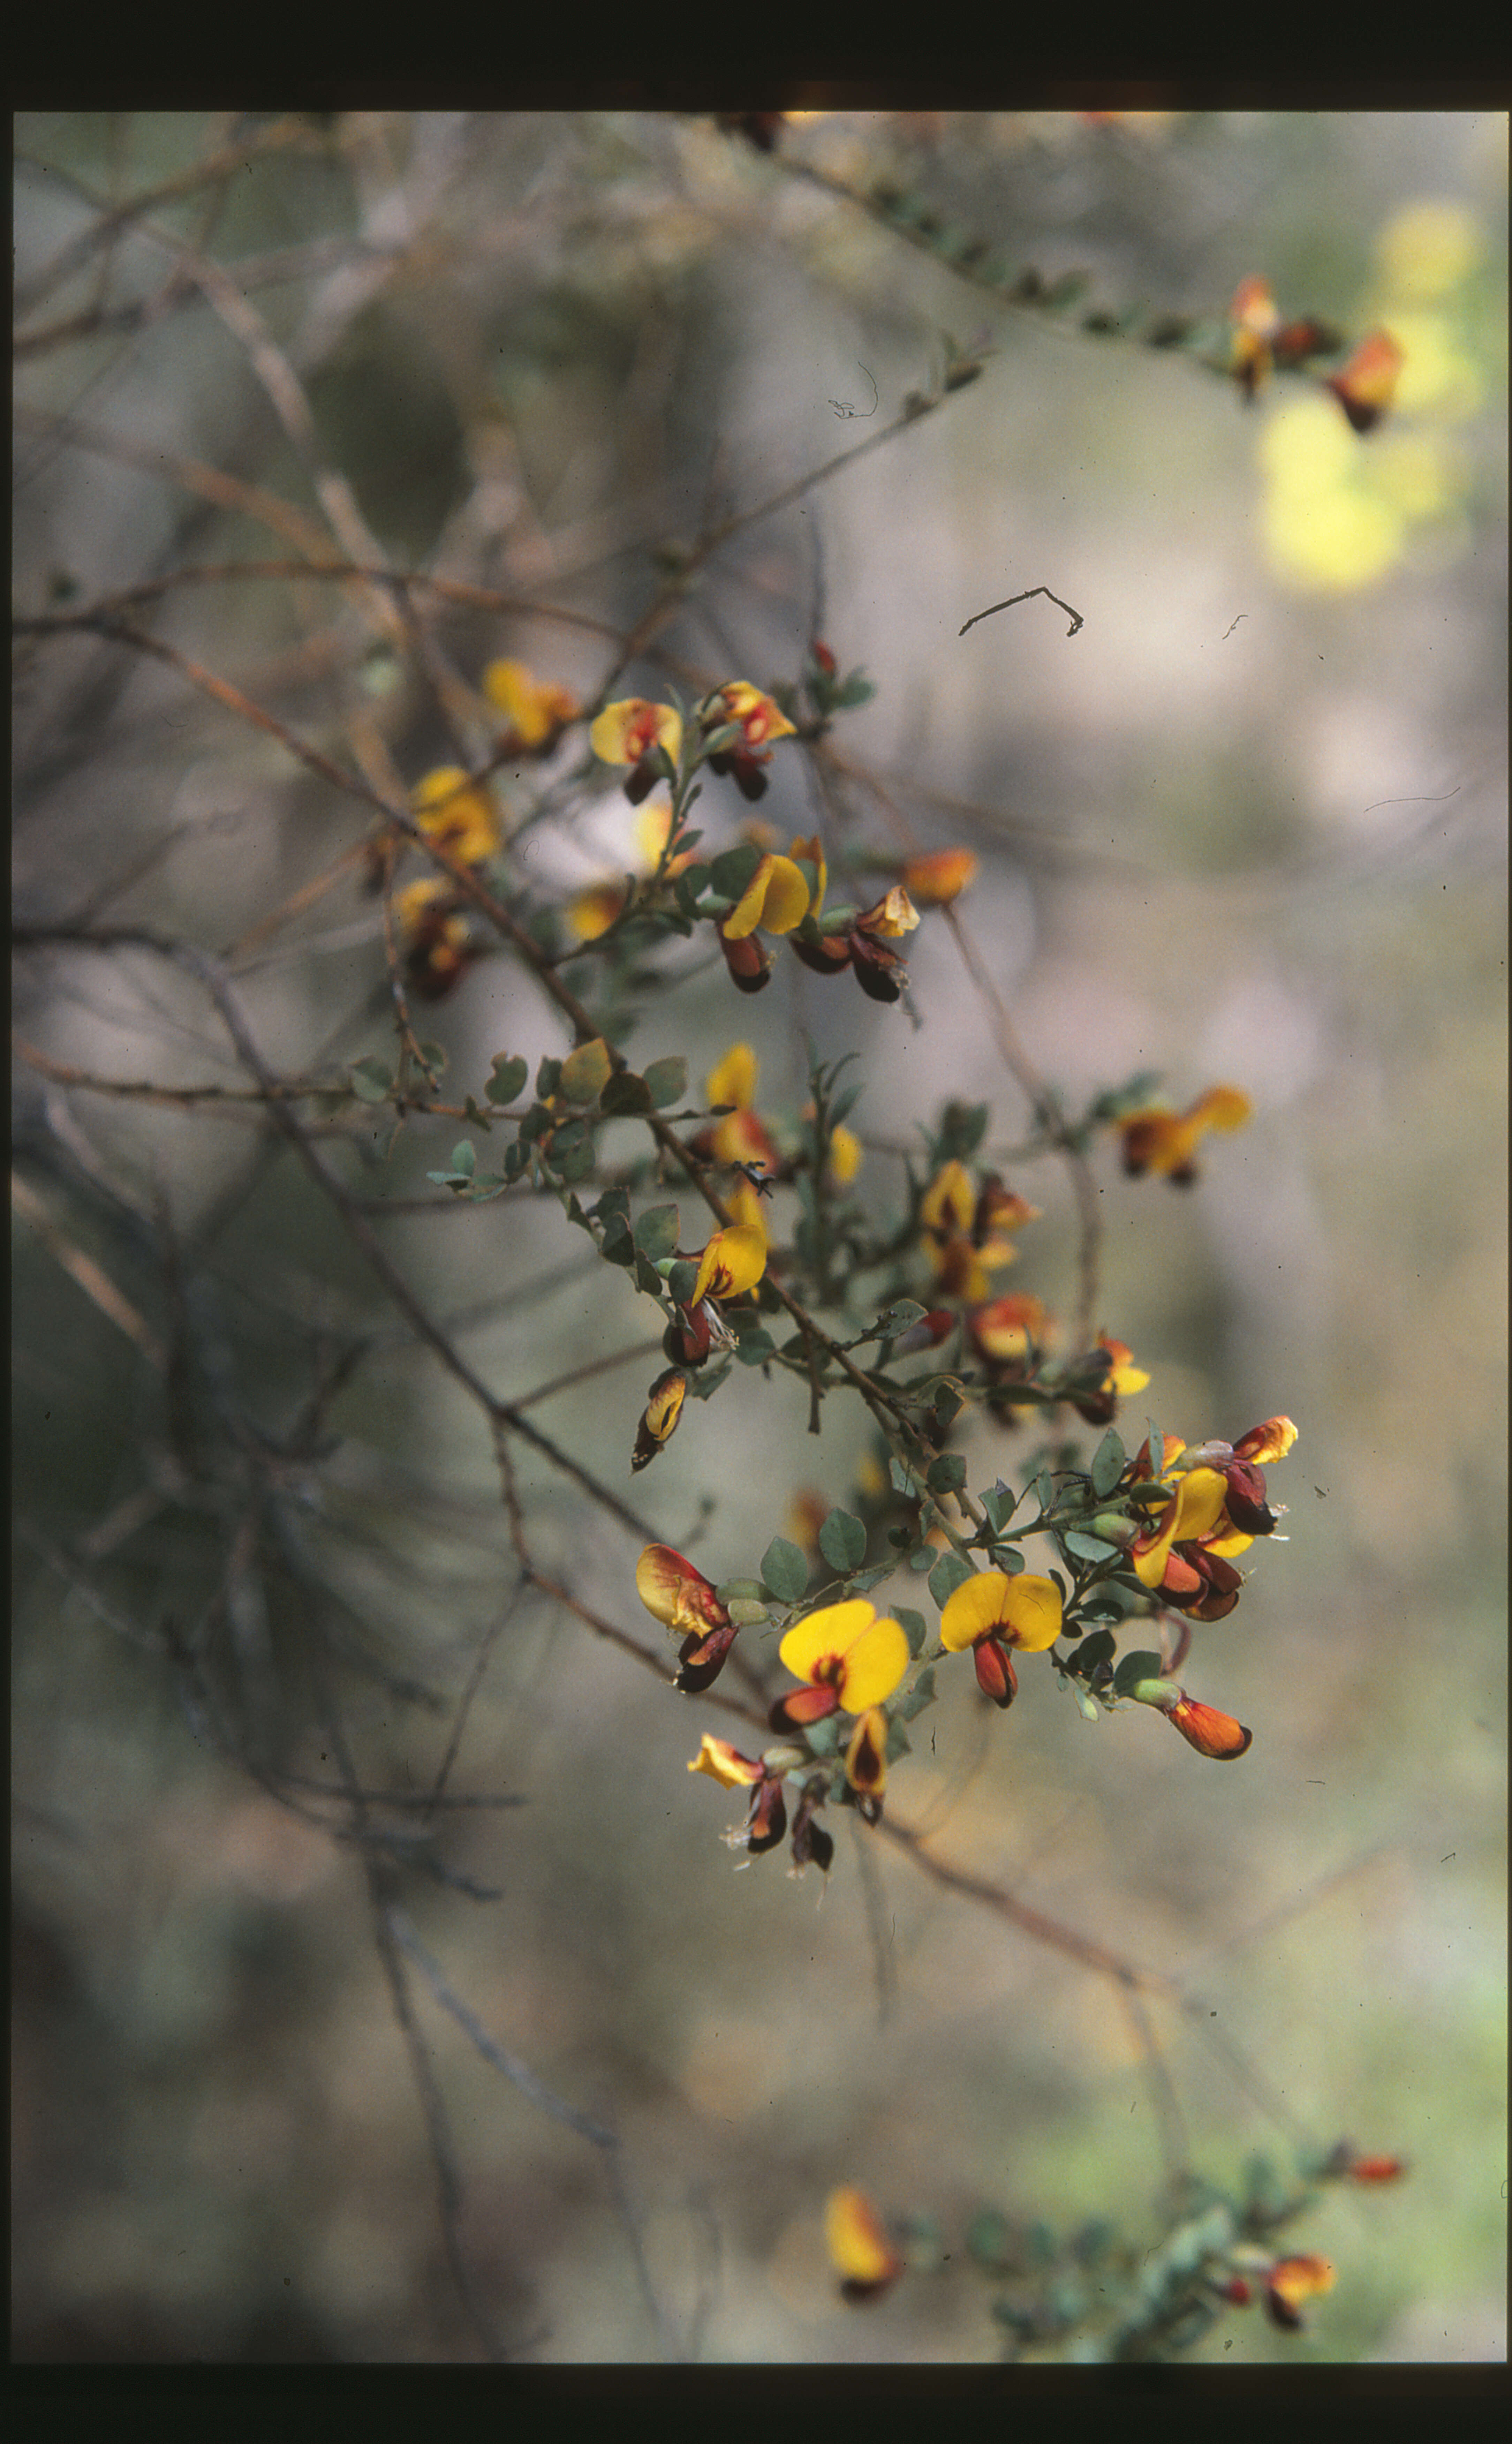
(1366, 387)
(1255, 321)
(858, 2246)
(1012, 1331)
(1204, 1728)
(939, 876)
(1164, 1142)
(1292, 2281)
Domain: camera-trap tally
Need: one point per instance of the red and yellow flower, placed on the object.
(759, 721)
(1011, 1332)
(436, 936)
(1165, 1142)
(595, 910)
(658, 1419)
(682, 1598)
(537, 710)
(767, 1819)
(632, 731)
(850, 1660)
(1254, 318)
(457, 813)
(1217, 1510)
(1366, 385)
(960, 1228)
(991, 1612)
(1123, 1378)
(733, 1261)
(1292, 2281)
(858, 2246)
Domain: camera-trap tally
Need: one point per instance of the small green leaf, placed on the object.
(947, 1475)
(1134, 1668)
(625, 1095)
(682, 1281)
(755, 1349)
(730, 873)
(950, 1572)
(371, 1082)
(896, 1318)
(434, 1056)
(1085, 1548)
(1000, 1503)
(656, 1231)
(549, 1075)
(1099, 1646)
(586, 1072)
(1043, 1490)
(516, 1159)
(648, 1279)
(842, 1541)
(463, 1157)
(784, 1570)
(920, 1695)
(705, 1381)
(575, 1163)
(1108, 1463)
(509, 1079)
(911, 1624)
(667, 1081)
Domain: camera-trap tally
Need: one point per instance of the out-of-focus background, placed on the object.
(1248, 825)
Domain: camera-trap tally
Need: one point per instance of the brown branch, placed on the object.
(95, 1282)
(1032, 1923)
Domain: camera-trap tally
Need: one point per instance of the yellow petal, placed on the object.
(873, 1666)
(733, 1079)
(724, 1764)
(833, 1630)
(674, 1593)
(858, 2245)
(625, 732)
(1024, 1611)
(1222, 1107)
(733, 1261)
(844, 1154)
(950, 1200)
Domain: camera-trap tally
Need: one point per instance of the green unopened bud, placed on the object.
(743, 1610)
(1155, 1692)
(1115, 1528)
(784, 1758)
(732, 1590)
